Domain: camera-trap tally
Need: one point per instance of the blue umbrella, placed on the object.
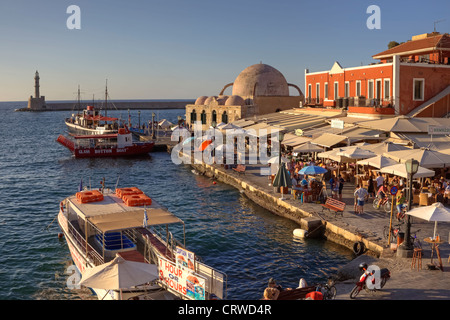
(312, 170)
(188, 140)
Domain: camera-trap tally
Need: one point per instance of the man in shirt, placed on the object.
(360, 197)
(379, 180)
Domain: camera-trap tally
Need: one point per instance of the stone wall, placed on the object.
(316, 226)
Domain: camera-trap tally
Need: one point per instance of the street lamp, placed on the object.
(412, 166)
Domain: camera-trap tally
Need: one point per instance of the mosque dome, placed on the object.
(201, 100)
(260, 80)
(210, 99)
(235, 101)
(221, 100)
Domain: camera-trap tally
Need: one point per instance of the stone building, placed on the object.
(38, 102)
(258, 89)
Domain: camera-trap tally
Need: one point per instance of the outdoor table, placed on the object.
(435, 246)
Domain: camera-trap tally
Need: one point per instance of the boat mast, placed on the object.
(79, 97)
(106, 98)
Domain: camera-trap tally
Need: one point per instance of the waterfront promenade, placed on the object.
(405, 283)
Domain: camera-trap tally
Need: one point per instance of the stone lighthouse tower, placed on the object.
(38, 102)
(36, 85)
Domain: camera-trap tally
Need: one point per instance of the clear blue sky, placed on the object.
(176, 49)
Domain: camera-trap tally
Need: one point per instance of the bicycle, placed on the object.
(394, 232)
(402, 214)
(328, 290)
(385, 204)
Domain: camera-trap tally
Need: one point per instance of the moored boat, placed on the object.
(105, 145)
(101, 225)
(90, 121)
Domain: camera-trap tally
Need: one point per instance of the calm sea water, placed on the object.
(229, 232)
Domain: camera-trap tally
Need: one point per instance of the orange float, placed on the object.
(89, 196)
(127, 191)
(136, 200)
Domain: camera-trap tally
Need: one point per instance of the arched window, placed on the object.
(214, 116)
(224, 117)
(203, 117)
(193, 116)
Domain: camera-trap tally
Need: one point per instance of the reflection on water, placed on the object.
(227, 230)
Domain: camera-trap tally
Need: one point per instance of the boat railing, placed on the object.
(86, 247)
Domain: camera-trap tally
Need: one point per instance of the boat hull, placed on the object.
(113, 151)
(82, 263)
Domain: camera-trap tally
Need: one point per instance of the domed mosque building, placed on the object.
(258, 89)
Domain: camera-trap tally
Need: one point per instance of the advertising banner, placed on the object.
(185, 259)
(181, 281)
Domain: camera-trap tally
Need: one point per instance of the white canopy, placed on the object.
(307, 147)
(400, 170)
(356, 152)
(435, 212)
(119, 274)
(427, 158)
(377, 162)
(164, 123)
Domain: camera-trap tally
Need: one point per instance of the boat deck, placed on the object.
(157, 244)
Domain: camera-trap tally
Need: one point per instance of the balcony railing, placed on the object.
(360, 101)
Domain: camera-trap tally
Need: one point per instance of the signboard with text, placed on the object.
(338, 124)
(181, 281)
(439, 130)
(185, 259)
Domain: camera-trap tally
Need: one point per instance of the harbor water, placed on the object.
(227, 230)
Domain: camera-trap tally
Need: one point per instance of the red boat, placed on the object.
(105, 145)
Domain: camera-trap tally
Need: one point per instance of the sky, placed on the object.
(183, 49)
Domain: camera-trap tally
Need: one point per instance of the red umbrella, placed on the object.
(205, 144)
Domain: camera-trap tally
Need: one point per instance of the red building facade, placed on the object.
(411, 79)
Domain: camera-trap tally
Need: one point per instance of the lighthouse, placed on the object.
(37, 102)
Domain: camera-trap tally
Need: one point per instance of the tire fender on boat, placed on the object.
(358, 248)
(61, 204)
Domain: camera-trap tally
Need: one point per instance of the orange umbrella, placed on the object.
(205, 144)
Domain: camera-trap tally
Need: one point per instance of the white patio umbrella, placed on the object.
(377, 162)
(427, 158)
(275, 160)
(307, 147)
(356, 153)
(229, 126)
(164, 123)
(436, 212)
(119, 274)
(400, 170)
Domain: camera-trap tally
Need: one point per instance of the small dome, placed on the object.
(260, 80)
(210, 99)
(235, 101)
(201, 100)
(222, 100)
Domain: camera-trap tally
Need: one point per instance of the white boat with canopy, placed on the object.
(103, 225)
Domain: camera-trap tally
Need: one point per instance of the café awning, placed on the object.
(328, 140)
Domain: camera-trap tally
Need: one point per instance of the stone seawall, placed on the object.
(121, 105)
(316, 225)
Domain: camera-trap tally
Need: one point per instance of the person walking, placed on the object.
(341, 186)
(371, 187)
(360, 197)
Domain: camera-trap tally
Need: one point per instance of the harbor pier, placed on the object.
(345, 230)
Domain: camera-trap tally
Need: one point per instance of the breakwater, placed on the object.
(120, 105)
